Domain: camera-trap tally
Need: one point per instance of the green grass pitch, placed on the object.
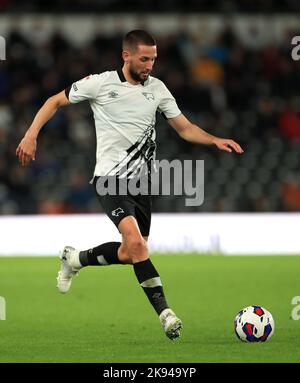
(106, 317)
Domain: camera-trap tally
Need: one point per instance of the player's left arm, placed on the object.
(193, 133)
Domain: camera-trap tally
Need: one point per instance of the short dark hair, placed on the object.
(137, 37)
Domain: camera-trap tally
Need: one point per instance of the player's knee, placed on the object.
(137, 249)
(137, 245)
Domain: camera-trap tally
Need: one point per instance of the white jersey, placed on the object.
(125, 116)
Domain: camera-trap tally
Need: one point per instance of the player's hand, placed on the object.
(228, 145)
(26, 150)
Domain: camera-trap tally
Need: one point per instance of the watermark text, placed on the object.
(2, 308)
(296, 50)
(2, 48)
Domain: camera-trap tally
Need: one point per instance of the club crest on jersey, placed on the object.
(113, 94)
(149, 96)
(117, 212)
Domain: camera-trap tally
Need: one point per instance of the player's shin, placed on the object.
(150, 281)
(102, 255)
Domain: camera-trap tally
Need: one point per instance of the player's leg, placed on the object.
(147, 275)
(106, 254)
(73, 260)
(109, 253)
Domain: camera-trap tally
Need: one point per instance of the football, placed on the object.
(254, 324)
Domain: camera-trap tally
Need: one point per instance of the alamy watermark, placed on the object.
(295, 314)
(2, 308)
(165, 178)
(2, 48)
(296, 50)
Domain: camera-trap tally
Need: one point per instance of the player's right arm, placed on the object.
(27, 147)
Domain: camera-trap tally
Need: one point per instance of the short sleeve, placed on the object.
(84, 89)
(168, 106)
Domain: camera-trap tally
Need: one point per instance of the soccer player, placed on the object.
(124, 103)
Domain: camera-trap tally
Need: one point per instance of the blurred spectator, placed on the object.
(291, 195)
(80, 193)
(289, 120)
(207, 72)
(266, 123)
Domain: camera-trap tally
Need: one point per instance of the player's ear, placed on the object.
(126, 55)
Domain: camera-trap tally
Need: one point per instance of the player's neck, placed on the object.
(128, 76)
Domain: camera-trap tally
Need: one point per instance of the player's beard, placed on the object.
(136, 76)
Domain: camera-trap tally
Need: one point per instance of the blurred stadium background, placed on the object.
(228, 63)
(231, 73)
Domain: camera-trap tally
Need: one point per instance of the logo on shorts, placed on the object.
(117, 212)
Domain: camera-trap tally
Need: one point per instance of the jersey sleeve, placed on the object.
(168, 106)
(85, 89)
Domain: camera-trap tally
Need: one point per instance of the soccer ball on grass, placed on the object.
(254, 324)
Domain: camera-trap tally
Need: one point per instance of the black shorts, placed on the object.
(120, 206)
